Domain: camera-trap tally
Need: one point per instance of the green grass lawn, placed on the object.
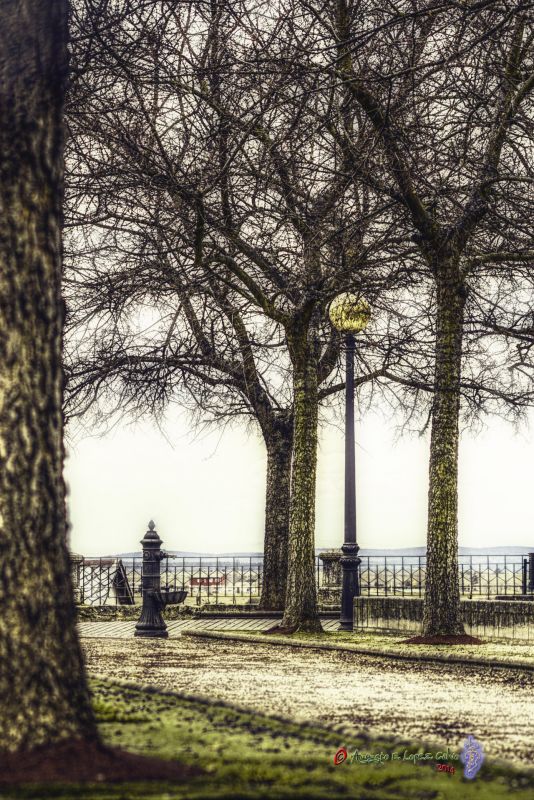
(249, 755)
(499, 651)
(519, 652)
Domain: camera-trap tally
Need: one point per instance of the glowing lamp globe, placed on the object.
(349, 313)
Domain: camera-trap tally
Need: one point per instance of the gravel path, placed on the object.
(436, 703)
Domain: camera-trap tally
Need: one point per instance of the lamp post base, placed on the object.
(350, 563)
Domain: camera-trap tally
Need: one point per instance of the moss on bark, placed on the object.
(279, 442)
(301, 611)
(42, 683)
(442, 594)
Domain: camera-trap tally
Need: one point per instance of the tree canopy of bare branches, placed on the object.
(247, 162)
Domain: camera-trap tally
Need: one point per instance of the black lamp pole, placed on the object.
(349, 560)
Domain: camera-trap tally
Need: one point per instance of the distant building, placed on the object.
(219, 580)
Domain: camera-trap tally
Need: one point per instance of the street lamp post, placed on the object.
(349, 314)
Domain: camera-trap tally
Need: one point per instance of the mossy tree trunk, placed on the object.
(301, 612)
(442, 595)
(279, 443)
(44, 696)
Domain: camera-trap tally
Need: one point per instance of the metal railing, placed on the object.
(479, 575)
(238, 580)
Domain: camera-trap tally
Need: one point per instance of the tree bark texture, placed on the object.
(43, 691)
(442, 595)
(301, 612)
(279, 442)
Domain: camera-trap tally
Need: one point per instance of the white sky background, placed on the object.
(207, 494)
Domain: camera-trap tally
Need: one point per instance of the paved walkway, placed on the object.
(439, 704)
(125, 630)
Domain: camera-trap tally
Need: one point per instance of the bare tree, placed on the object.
(447, 99)
(288, 151)
(194, 347)
(216, 153)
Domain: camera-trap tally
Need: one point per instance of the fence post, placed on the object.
(531, 572)
(76, 566)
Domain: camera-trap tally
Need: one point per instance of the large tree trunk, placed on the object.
(442, 594)
(301, 612)
(279, 442)
(44, 697)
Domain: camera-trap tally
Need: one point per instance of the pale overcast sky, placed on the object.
(207, 494)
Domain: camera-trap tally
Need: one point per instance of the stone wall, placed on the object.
(112, 613)
(489, 619)
(118, 612)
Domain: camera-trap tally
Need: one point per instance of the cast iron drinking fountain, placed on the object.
(151, 622)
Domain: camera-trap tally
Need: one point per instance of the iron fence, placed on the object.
(238, 580)
(479, 575)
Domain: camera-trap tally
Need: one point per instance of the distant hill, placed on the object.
(498, 551)
(401, 551)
